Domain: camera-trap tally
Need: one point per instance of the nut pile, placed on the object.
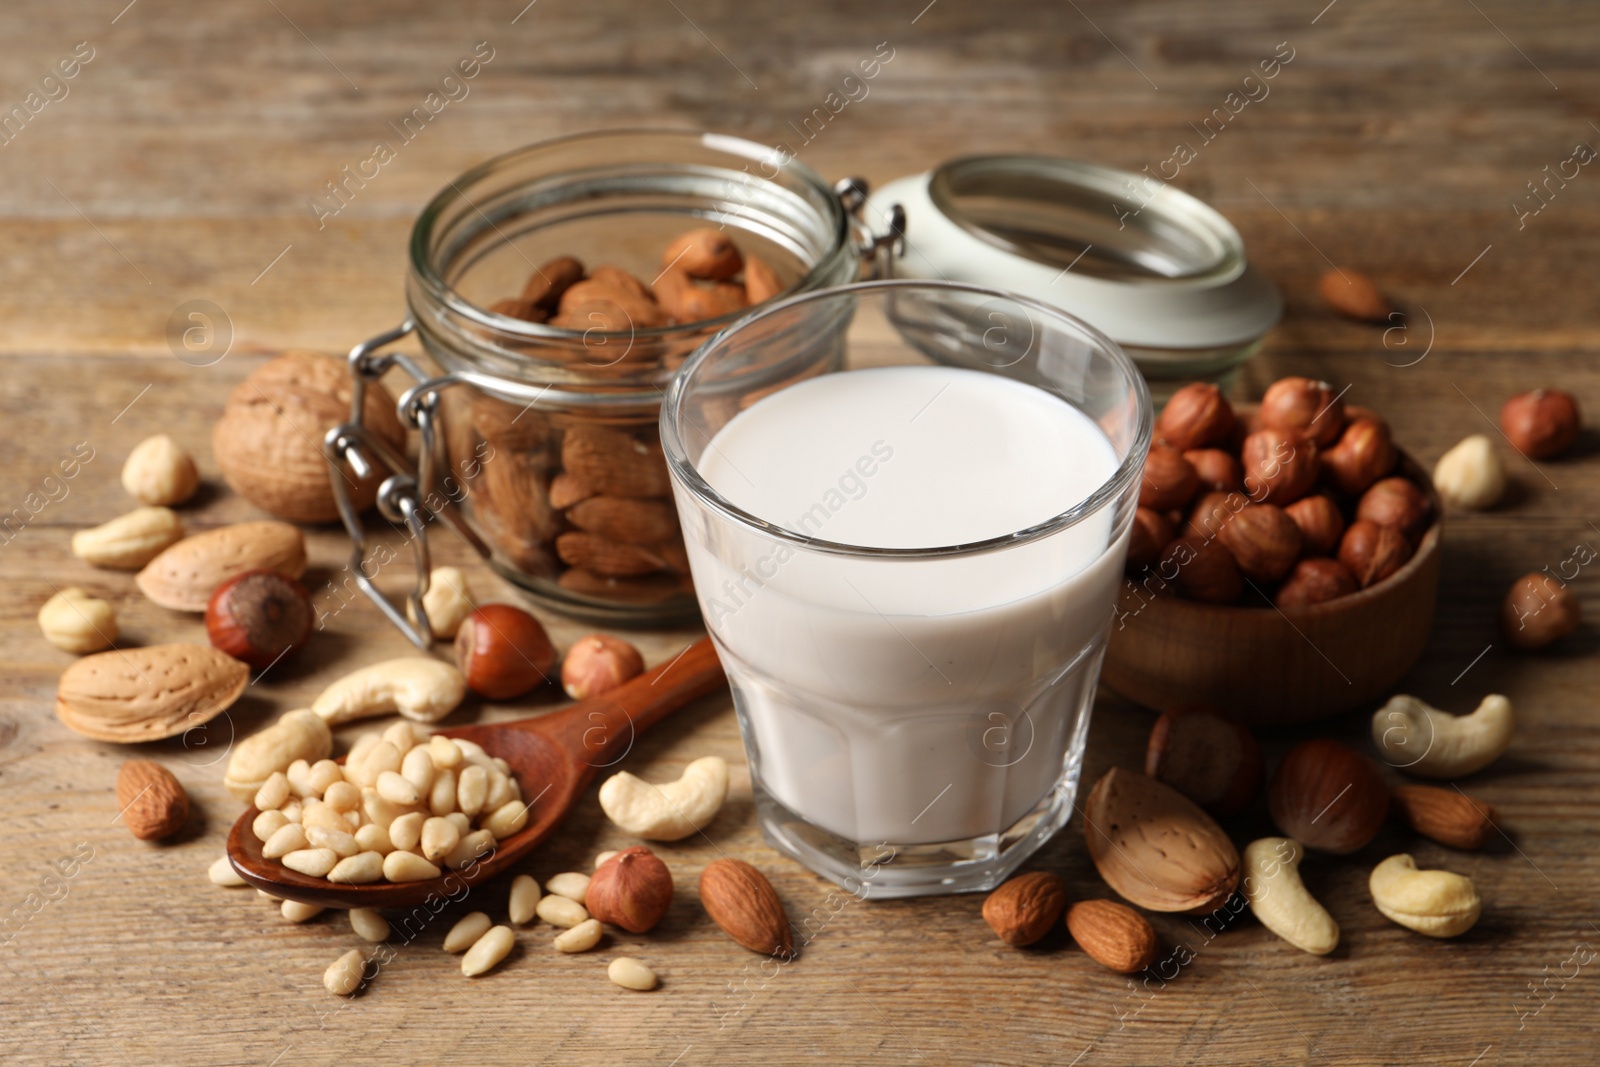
(1298, 501)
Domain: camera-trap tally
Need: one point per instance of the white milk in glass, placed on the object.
(875, 688)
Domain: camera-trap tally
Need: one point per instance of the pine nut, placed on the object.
(499, 792)
(472, 752)
(602, 857)
(630, 973)
(297, 912)
(559, 911)
(288, 838)
(465, 933)
(472, 786)
(324, 773)
(383, 757)
(368, 924)
(460, 822)
(396, 790)
(474, 846)
(439, 838)
(507, 820)
(342, 796)
(501, 765)
(401, 735)
(316, 862)
(488, 951)
(292, 810)
(343, 844)
(524, 897)
(274, 792)
(417, 768)
(299, 776)
(378, 809)
(343, 976)
(361, 749)
(264, 895)
(268, 823)
(374, 838)
(354, 819)
(446, 755)
(581, 938)
(317, 814)
(223, 874)
(569, 884)
(406, 831)
(407, 867)
(442, 797)
(364, 868)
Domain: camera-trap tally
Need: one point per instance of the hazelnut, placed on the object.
(159, 472)
(1321, 524)
(1396, 502)
(1168, 481)
(1541, 424)
(1264, 541)
(1196, 416)
(1315, 581)
(1354, 295)
(1363, 455)
(1471, 475)
(503, 652)
(1538, 611)
(1212, 513)
(1310, 408)
(1328, 797)
(632, 889)
(259, 617)
(1209, 758)
(1280, 466)
(1150, 533)
(597, 664)
(1373, 552)
(1217, 470)
(1203, 571)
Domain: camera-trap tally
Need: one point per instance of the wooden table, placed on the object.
(1399, 140)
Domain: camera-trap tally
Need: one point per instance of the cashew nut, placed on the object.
(297, 735)
(1435, 744)
(1280, 899)
(1436, 903)
(667, 812)
(417, 687)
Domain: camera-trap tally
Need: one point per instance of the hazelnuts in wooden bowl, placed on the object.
(1283, 561)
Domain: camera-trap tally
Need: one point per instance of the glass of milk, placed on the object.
(906, 506)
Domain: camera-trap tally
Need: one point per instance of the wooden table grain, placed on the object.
(184, 160)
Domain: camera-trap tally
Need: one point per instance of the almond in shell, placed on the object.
(741, 901)
(1156, 847)
(144, 694)
(184, 576)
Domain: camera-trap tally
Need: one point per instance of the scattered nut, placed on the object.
(1114, 935)
(1025, 908)
(1353, 295)
(448, 602)
(1209, 758)
(523, 902)
(1538, 611)
(74, 621)
(630, 973)
(1472, 474)
(559, 911)
(503, 652)
(369, 925)
(222, 873)
(157, 471)
(1542, 424)
(601, 857)
(1280, 899)
(1447, 816)
(671, 811)
(297, 912)
(1328, 796)
(741, 901)
(154, 804)
(598, 664)
(1435, 903)
(145, 694)
(487, 952)
(259, 617)
(129, 541)
(466, 932)
(297, 735)
(184, 576)
(569, 884)
(580, 938)
(631, 889)
(1156, 847)
(1425, 741)
(343, 976)
(421, 689)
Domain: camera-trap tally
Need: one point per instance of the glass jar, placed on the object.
(539, 441)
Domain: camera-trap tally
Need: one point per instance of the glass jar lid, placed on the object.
(1148, 264)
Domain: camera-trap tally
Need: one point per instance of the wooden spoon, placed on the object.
(553, 758)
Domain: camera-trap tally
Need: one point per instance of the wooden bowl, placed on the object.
(1267, 667)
